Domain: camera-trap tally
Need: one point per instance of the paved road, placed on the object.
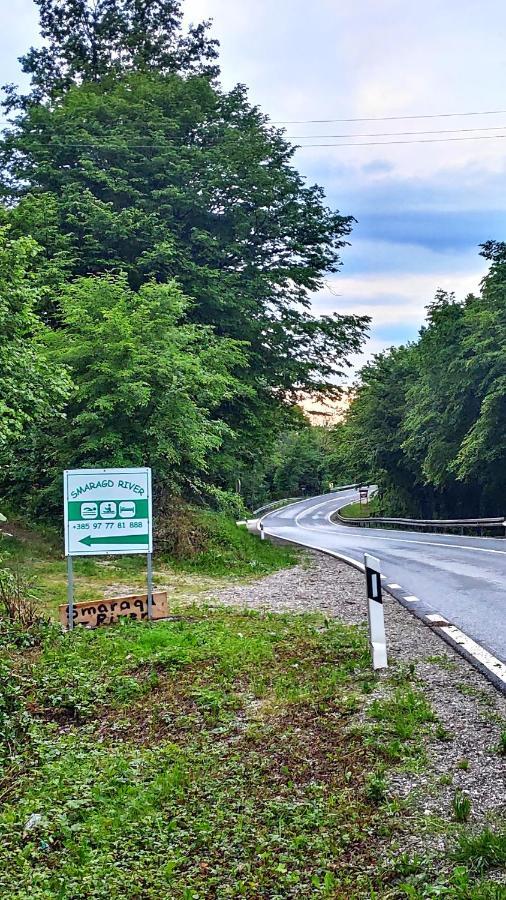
(463, 578)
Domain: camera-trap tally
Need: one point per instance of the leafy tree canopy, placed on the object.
(85, 40)
(32, 390)
(127, 160)
(428, 421)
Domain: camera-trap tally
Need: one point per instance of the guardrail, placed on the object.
(434, 524)
(275, 504)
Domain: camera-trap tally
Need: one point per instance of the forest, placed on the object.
(428, 420)
(158, 255)
(158, 252)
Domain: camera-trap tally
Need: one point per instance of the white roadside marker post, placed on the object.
(262, 533)
(376, 618)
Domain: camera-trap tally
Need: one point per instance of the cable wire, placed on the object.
(483, 137)
(486, 112)
(297, 137)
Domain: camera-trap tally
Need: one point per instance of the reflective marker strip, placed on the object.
(435, 617)
(412, 599)
(395, 586)
(490, 662)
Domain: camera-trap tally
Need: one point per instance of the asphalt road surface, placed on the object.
(463, 578)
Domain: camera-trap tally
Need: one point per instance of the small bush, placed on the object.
(18, 603)
(199, 540)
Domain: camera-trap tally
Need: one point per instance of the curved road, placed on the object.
(462, 578)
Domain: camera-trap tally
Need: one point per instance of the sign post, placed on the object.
(107, 512)
(375, 615)
(363, 493)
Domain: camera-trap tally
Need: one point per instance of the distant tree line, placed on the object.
(428, 420)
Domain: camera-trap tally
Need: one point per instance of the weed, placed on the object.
(442, 734)
(443, 661)
(463, 764)
(482, 851)
(404, 711)
(18, 603)
(403, 673)
(501, 747)
(461, 806)
(470, 691)
(446, 779)
(376, 786)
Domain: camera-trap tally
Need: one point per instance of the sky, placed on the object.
(422, 209)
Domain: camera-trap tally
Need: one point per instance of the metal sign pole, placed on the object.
(375, 615)
(70, 592)
(150, 585)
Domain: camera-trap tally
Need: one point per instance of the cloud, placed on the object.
(422, 209)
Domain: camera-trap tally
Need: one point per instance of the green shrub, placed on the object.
(202, 540)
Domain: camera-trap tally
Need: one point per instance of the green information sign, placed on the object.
(107, 511)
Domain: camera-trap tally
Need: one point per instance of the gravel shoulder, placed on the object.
(471, 713)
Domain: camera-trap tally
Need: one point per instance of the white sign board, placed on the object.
(107, 511)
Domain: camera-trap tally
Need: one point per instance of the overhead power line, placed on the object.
(486, 112)
(129, 145)
(483, 137)
(298, 137)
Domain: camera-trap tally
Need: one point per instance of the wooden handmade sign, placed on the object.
(106, 612)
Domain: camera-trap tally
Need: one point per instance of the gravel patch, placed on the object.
(470, 711)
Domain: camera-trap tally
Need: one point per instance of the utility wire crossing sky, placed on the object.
(423, 201)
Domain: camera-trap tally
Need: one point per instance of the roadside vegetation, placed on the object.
(360, 510)
(427, 421)
(219, 754)
(192, 542)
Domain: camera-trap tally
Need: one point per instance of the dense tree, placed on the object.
(428, 421)
(86, 40)
(32, 389)
(169, 177)
(127, 159)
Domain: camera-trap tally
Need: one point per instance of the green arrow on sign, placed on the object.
(116, 539)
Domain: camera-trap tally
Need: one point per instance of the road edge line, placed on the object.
(420, 611)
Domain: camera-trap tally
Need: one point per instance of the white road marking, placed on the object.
(490, 662)
(376, 537)
(396, 587)
(436, 544)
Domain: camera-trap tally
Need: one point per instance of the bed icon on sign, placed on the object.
(89, 510)
(127, 509)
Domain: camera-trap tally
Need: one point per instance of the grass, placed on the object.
(203, 757)
(220, 754)
(227, 553)
(360, 510)
(461, 806)
(482, 851)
